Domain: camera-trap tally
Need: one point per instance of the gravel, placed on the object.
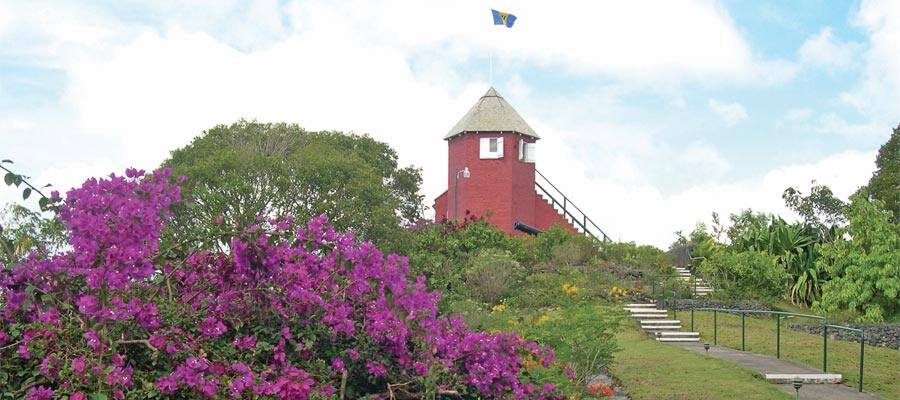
(884, 335)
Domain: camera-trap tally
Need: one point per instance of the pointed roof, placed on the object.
(492, 114)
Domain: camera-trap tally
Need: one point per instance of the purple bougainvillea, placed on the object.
(283, 310)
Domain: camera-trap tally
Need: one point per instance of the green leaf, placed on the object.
(26, 193)
(46, 186)
(6, 161)
(98, 396)
(9, 178)
(43, 202)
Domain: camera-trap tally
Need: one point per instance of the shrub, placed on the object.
(285, 311)
(748, 274)
(865, 265)
(572, 252)
(493, 276)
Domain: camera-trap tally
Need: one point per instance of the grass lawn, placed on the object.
(882, 365)
(653, 370)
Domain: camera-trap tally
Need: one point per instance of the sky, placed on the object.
(652, 115)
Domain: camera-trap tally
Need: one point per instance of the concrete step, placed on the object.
(679, 334)
(805, 378)
(647, 317)
(660, 328)
(646, 311)
(662, 322)
(696, 339)
(641, 305)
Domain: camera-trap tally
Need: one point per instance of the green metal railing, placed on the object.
(779, 315)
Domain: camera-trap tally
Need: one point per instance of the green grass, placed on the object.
(652, 370)
(882, 365)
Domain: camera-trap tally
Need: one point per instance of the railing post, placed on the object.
(778, 336)
(692, 318)
(862, 347)
(715, 332)
(743, 347)
(565, 200)
(824, 347)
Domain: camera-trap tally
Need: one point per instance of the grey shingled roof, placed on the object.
(492, 114)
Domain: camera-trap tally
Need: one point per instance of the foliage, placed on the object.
(493, 276)
(572, 252)
(746, 223)
(866, 265)
(23, 231)
(13, 179)
(239, 172)
(581, 333)
(744, 274)
(628, 253)
(285, 311)
(820, 210)
(885, 182)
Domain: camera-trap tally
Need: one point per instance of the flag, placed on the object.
(502, 18)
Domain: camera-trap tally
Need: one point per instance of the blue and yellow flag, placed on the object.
(503, 18)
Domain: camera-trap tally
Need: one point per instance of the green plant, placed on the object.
(864, 264)
(493, 276)
(751, 273)
(572, 252)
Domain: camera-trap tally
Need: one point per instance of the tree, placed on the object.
(865, 267)
(238, 173)
(820, 209)
(885, 182)
(23, 231)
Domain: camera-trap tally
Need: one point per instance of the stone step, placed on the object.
(696, 339)
(641, 305)
(646, 317)
(661, 322)
(646, 311)
(805, 378)
(660, 328)
(679, 334)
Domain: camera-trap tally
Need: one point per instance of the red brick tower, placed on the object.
(497, 147)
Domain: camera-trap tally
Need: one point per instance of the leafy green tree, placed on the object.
(865, 266)
(23, 231)
(820, 209)
(745, 222)
(885, 182)
(239, 172)
(745, 274)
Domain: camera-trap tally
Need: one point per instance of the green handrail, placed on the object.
(778, 316)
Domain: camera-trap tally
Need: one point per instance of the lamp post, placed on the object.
(798, 383)
(465, 174)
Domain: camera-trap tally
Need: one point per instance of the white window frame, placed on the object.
(526, 151)
(485, 148)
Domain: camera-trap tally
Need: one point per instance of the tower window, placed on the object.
(526, 151)
(491, 148)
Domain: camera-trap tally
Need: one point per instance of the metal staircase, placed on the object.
(569, 210)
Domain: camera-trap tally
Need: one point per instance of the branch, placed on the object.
(34, 189)
(144, 342)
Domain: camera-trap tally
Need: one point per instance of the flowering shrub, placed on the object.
(286, 311)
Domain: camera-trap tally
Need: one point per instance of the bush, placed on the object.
(748, 274)
(494, 275)
(285, 311)
(865, 265)
(572, 252)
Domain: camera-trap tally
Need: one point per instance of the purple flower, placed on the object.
(39, 393)
(212, 327)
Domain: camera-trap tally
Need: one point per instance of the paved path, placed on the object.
(770, 365)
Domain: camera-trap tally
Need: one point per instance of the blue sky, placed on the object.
(652, 114)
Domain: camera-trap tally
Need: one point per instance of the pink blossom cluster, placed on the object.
(286, 311)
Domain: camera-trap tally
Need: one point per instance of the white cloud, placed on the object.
(731, 113)
(877, 95)
(641, 212)
(823, 50)
(8, 125)
(797, 115)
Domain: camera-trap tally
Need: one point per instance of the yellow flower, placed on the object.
(499, 308)
(570, 289)
(542, 319)
(512, 322)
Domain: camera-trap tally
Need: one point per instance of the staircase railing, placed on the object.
(569, 209)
